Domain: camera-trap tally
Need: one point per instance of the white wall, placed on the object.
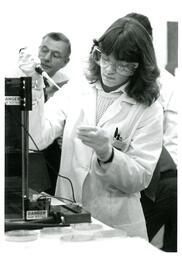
(25, 22)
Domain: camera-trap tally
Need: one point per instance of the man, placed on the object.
(159, 200)
(54, 54)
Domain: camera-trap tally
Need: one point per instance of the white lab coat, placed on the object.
(169, 101)
(111, 192)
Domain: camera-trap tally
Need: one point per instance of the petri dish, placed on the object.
(111, 233)
(77, 237)
(87, 227)
(52, 231)
(21, 235)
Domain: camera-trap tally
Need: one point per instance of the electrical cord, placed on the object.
(56, 197)
(61, 176)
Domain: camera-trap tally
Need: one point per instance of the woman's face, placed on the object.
(115, 73)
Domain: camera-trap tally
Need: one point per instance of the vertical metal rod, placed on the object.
(25, 151)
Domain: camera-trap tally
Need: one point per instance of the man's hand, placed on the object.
(98, 139)
(27, 63)
(60, 141)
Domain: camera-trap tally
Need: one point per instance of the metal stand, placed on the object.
(18, 103)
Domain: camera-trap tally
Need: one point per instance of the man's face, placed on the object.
(52, 55)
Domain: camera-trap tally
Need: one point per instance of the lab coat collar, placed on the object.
(89, 104)
(122, 90)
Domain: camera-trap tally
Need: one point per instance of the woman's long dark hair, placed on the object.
(127, 40)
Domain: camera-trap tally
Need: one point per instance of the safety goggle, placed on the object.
(120, 66)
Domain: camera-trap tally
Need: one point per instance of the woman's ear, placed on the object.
(134, 66)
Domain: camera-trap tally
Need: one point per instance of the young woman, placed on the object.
(112, 127)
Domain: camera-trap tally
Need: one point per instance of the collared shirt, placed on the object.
(60, 77)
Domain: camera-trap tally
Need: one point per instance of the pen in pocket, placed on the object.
(117, 135)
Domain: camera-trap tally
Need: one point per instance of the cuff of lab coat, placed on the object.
(101, 167)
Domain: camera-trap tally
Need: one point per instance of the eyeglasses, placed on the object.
(120, 66)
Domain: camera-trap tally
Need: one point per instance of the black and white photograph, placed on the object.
(90, 128)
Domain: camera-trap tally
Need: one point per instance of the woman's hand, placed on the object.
(98, 139)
